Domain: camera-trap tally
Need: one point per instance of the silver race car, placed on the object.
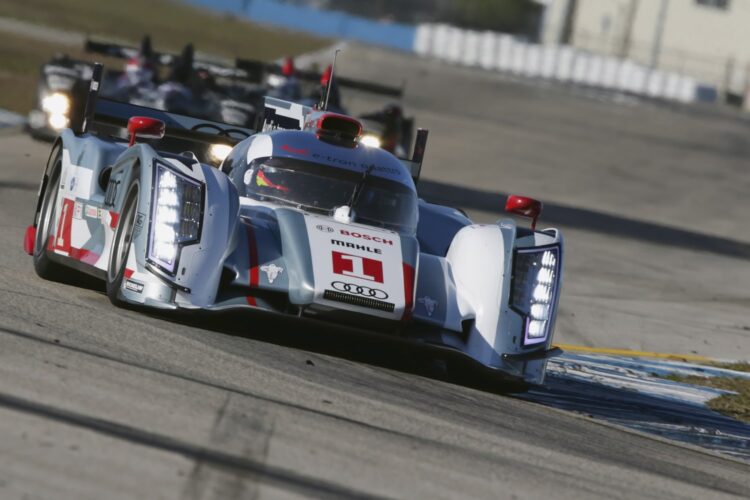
(301, 219)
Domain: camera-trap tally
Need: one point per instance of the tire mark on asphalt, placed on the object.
(439, 446)
(19, 185)
(672, 470)
(47, 299)
(277, 476)
(213, 385)
(242, 428)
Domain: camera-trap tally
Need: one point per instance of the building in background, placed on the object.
(706, 39)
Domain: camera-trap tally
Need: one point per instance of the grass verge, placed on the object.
(171, 25)
(738, 366)
(733, 405)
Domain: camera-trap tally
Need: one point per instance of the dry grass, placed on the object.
(738, 366)
(733, 405)
(171, 25)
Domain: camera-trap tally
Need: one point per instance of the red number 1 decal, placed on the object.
(357, 267)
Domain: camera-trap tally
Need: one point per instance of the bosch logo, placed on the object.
(366, 237)
(325, 229)
(365, 291)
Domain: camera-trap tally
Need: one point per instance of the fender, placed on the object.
(480, 260)
(196, 278)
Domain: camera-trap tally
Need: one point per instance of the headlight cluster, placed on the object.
(536, 274)
(176, 213)
(370, 140)
(57, 107)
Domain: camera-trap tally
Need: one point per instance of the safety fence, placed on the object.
(563, 63)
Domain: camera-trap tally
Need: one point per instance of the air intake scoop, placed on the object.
(337, 129)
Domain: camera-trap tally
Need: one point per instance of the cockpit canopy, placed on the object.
(319, 188)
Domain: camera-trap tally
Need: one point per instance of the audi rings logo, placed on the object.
(365, 291)
(325, 229)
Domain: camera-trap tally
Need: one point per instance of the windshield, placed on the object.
(320, 188)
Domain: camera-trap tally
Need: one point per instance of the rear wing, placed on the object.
(120, 51)
(183, 133)
(258, 70)
(285, 115)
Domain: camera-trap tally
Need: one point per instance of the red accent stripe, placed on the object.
(129, 273)
(253, 254)
(408, 292)
(114, 218)
(85, 256)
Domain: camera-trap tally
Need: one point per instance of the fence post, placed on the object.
(728, 73)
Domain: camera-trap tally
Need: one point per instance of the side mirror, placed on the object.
(145, 127)
(525, 207)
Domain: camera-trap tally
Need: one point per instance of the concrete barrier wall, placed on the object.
(501, 52)
(324, 23)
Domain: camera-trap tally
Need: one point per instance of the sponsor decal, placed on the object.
(325, 229)
(290, 149)
(73, 183)
(364, 291)
(78, 210)
(139, 220)
(366, 237)
(133, 286)
(356, 246)
(92, 212)
(429, 304)
(272, 271)
(357, 267)
(353, 164)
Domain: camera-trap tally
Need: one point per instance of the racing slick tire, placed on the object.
(43, 265)
(121, 243)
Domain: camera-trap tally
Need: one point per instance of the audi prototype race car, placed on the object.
(199, 88)
(301, 219)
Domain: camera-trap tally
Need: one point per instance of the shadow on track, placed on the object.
(353, 344)
(681, 421)
(468, 198)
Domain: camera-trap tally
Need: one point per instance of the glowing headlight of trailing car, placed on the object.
(57, 107)
(218, 152)
(370, 140)
(536, 274)
(176, 213)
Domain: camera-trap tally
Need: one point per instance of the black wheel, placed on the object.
(43, 266)
(121, 243)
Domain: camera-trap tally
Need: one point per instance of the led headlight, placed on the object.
(370, 140)
(176, 213)
(56, 104)
(536, 273)
(57, 121)
(218, 152)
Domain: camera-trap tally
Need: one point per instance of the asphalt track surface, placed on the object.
(100, 402)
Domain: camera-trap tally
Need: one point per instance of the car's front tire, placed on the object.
(43, 265)
(121, 244)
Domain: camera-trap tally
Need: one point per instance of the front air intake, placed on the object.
(356, 300)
